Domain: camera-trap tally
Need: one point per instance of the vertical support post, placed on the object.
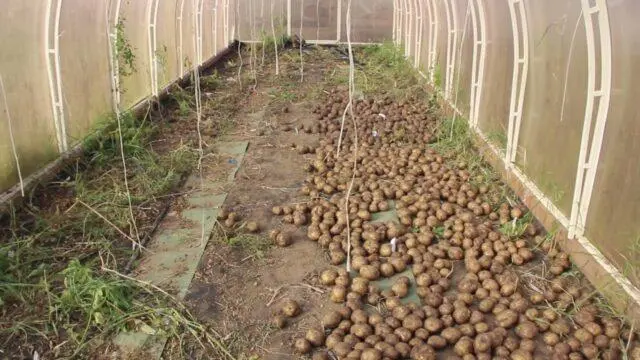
(152, 15)
(519, 79)
(289, 19)
(339, 29)
(479, 54)
(52, 56)
(409, 43)
(419, 30)
(180, 39)
(589, 155)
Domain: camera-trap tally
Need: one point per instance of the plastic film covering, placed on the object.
(84, 66)
(440, 64)
(371, 20)
(166, 42)
(23, 69)
(612, 222)
(555, 98)
(135, 24)
(319, 19)
(493, 114)
(461, 95)
(254, 17)
(186, 37)
(425, 35)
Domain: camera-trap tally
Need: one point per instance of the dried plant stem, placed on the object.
(133, 241)
(198, 96)
(355, 132)
(13, 141)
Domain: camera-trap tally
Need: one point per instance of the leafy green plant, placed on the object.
(126, 55)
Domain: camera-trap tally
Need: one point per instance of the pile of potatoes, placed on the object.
(474, 303)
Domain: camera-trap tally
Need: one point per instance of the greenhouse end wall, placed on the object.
(549, 84)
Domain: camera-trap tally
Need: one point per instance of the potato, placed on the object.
(451, 335)
(527, 330)
(551, 338)
(279, 321)
(437, 342)
(482, 343)
(360, 285)
(333, 339)
(400, 312)
(433, 324)
(283, 239)
(423, 352)
(337, 257)
(315, 337)
(359, 317)
(361, 330)
(401, 289)
(290, 308)
(302, 346)
(371, 354)
(370, 272)
(584, 336)
(412, 322)
(464, 346)
(507, 318)
(323, 355)
(328, 277)
(331, 319)
(342, 349)
(521, 355)
(560, 327)
(461, 315)
(338, 294)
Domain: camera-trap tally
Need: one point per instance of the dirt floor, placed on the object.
(482, 277)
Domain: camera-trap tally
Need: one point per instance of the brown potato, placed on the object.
(464, 346)
(338, 294)
(290, 308)
(302, 346)
(315, 337)
(527, 330)
(507, 318)
(423, 352)
(331, 319)
(370, 272)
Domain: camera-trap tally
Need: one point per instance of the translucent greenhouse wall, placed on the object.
(548, 84)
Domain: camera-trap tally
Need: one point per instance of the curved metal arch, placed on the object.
(519, 80)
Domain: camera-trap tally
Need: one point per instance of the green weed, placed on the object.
(126, 56)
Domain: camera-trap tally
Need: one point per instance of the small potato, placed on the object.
(412, 322)
(370, 272)
(252, 227)
(527, 330)
(328, 277)
(279, 321)
(290, 308)
(400, 289)
(283, 239)
(361, 330)
(507, 318)
(451, 335)
(371, 354)
(423, 352)
(302, 346)
(331, 320)
(338, 294)
(315, 337)
(464, 346)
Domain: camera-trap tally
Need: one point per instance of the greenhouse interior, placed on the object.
(319, 179)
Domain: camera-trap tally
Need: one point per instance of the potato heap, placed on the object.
(474, 305)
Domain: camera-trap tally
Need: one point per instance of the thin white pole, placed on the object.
(180, 38)
(11, 138)
(483, 56)
(474, 63)
(289, 18)
(450, 45)
(419, 31)
(56, 54)
(339, 29)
